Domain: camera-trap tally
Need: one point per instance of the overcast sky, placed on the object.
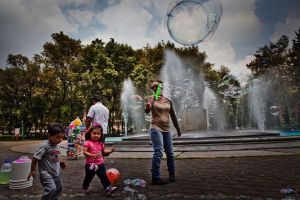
(245, 25)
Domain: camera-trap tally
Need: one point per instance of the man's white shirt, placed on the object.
(100, 114)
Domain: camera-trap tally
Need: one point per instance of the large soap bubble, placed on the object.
(274, 110)
(190, 22)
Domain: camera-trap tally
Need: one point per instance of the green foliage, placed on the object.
(281, 66)
(294, 67)
(57, 84)
(271, 58)
(141, 76)
(7, 138)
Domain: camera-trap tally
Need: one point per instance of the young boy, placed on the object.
(49, 163)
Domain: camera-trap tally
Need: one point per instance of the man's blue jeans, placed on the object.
(162, 141)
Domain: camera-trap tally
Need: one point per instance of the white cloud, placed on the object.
(287, 28)
(125, 22)
(77, 2)
(130, 22)
(80, 18)
(112, 2)
(238, 23)
(223, 54)
(219, 53)
(26, 26)
(160, 34)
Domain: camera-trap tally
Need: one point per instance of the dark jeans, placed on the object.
(160, 142)
(89, 175)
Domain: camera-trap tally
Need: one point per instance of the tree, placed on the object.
(294, 82)
(9, 94)
(63, 55)
(294, 55)
(140, 76)
(271, 58)
(280, 65)
(122, 64)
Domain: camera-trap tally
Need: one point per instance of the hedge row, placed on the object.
(8, 138)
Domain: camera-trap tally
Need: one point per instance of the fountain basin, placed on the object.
(290, 133)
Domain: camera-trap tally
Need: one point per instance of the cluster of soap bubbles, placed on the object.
(230, 87)
(183, 94)
(190, 22)
(134, 194)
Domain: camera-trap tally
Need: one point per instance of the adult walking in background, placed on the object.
(161, 109)
(98, 114)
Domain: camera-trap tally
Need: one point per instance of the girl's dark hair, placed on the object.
(55, 128)
(88, 134)
(158, 80)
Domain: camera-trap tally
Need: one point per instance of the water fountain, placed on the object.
(188, 89)
(198, 107)
(257, 104)
(214, 110)
(132, 106)
(249, 104)
(190, 92)
(261, 97)
(127, 92)
(202, 113)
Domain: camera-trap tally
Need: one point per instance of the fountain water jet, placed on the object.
(132, 106)
(127, 92)
(214, 114)
(257, 104)
(187, 88)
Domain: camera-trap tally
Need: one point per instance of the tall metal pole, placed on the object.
(22, 129)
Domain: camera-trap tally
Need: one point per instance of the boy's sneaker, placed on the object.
(85, 190)
(159, 181)
(110, 189)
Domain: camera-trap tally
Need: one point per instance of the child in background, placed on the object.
(77, 146)
(49, 163)
(94, 151)
(74, 151)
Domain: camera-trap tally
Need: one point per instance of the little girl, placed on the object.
(94, 151)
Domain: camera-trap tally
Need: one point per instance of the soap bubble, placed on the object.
(230, 87)
(136, 102)
(190, 22)
(274, 110)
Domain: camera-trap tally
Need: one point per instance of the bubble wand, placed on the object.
(157, 93)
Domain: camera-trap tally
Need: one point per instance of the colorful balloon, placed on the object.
(77, 122)
(72, 125)
(113, 175)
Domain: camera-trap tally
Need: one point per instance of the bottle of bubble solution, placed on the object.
(5, 172)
